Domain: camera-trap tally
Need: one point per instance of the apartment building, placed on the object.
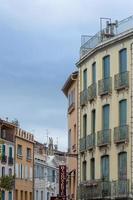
(7, 135)
(24, 163)
(106, 113)
(70, 89)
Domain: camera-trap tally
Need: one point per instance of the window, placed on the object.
(84, 125)
(3, 171)
(19, 150)
(26, 171)
(123, 112)
(92, 168)
(3, 195)
(84, 170)
(71, 97)
(123, 60)
(106, 67)
(3, 150)
(69, 140)
(36, 194)
(10, 196)
(105, 123)
(10, 172)
(93, 121)
(105, 167)
(28, 153)
(26, 195)
(41, 195)
(10, 152)
(21, 195)
(85, 79)
(122, 165)
(94, 72)
(30, 195)
(17, 171)
(31, 175)
(48, 195)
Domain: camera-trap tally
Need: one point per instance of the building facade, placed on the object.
(24, 165)
(106, 114)
(7, 135)
(70, 90)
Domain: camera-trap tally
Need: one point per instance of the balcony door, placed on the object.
(122, 165)
(123, 60)
(106, 67)
(123, 112)
(105, 123)
(105, 168)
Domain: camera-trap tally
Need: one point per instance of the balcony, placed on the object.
(96, 189)
(90, 141)
(3, 159)
(92, 92)
(104, 137)
(105, 86)
(83, 144)
(120, 188)
(121, 80)
(83, 97)
(71, 108)
(10, 161)
(121, 134)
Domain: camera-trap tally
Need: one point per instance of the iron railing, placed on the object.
(103, 137)
(83, 144)
(121, 134)
(90, 141)
(83, 97)
(3, 159)
(121, 80)
(92, 92)
(105, 86)
(120, 188)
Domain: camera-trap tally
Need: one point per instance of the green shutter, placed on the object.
(123, 60)
(10, 152)
(106, 67)
(3, 150)
(85, 79)
(122, 112)
(84, 125)
(94, 72)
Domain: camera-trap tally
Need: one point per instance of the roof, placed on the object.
(72, 77)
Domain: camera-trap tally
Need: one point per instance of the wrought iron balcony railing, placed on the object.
(83, 144)
(10, 160)
(121, 134)
(121, 80)
(84, 97)
(120, 188)
(105, 86)
(92, 90)
(103, 137)
(96, 189)
(3, 159)
(90, 141)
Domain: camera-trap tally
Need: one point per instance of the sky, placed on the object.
(39, 46)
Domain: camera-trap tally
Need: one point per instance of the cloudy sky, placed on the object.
(39, 45)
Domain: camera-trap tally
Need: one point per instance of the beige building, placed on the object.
(70, 89)
(24, 162)
(106, 113)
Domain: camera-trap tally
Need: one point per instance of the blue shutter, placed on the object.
(93, 121)
(85, 79)
(10, 195)
(3, 150)
(105, 117)
(10, 152)
(84, 125)
(123, 112)
(94, 73)
(123, 60)
(122, 165)
(106, 67)
(3, 195)
(105, 167)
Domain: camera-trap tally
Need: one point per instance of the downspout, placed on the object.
(131, 48)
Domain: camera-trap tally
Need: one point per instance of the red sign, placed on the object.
(62, 181)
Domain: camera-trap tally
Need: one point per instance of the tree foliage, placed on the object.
(7, 183)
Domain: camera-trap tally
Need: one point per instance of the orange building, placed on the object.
(70, 89)
(24, 165)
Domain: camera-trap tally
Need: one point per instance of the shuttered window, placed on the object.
(10, 152)
(10, 196)
(123, 112)
(106, 117)
(94, 72)
(106, 67)
(84, 125)
(92, 168)
(85, 79)
(122, 165)
(93, 121)
(123, 60)
(105, 167)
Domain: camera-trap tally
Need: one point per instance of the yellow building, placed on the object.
(106, 113)
(70, 89)
(24, 165)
